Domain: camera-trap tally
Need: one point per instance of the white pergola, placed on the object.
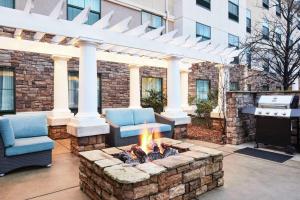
(107, 42)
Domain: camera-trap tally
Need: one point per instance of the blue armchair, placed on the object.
(24, 142)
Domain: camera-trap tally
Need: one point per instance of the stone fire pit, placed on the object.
(187, 175)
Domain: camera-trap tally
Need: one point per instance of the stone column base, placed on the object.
(87, 143)
(58, 132)
(180, 131)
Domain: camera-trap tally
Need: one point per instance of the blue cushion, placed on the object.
(129, 131)
(29, 125)
(120, 117)
(7, 132)
(144, 115)
(30, 145)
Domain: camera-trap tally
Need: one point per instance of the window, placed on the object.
(266, 64)
(278, 88)
(265, 30)
(249, 58)
(233, 41)
(248, 87)
(265, 4)
(233, 10)
(265, 88)
(7, 90)
(278, 38)
(150, 83)
(74, 91)
(203, 3)
(203, 88)
(155, 20)
(278, 8)
(203, 31)
(234, 86)
(74, 7)
(248, 21)
(7, 3)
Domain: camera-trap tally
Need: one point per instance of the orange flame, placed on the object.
(147, 138)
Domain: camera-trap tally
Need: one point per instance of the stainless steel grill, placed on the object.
(283, 106)
(277, 120)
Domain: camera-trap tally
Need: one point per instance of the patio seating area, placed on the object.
(245, 177)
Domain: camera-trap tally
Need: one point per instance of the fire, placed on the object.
(147, 139)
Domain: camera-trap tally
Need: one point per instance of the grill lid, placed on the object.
(275, 101)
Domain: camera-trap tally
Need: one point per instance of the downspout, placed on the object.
(167, 15)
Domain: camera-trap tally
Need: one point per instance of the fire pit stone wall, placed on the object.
(187, 175)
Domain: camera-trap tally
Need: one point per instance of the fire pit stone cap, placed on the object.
(126, 148)
(94, 155)
(112, 150)
(168, 141)
(212, 152)
(125, 174)
(151, 168)
(183, 145)
(174, 161)
(108, 162)
(197, 155)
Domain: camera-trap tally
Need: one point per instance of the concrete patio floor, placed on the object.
(245, 178)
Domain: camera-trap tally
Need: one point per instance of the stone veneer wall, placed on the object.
(239, 127)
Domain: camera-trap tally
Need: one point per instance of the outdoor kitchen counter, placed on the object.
(192, 172)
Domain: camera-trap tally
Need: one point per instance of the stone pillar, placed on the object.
(295, 86)
(135, 96)
(173, 109)
(218, 112)
(87, 122)
(61, 114)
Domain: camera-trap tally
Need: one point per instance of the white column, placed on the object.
(61, 114)
(135, 96)
(173, 109)
(295, 86)
(87, 122)
(219, 111)
(184, 83)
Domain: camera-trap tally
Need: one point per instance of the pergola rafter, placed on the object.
(117, 38)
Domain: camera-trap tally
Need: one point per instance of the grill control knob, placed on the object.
(284, 114)
(267, 113)
(259, 112)
(275, 113)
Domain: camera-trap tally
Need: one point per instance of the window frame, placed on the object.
(278, 8)
(161, 86)
(266, 5)
(204, 4)
(248, 18)
(267, 86)
(80, 8)
(231, 45)
(203, 38)
(151, 13)
(13, 69)
(265, 25)
(99, 75)
(14, 6)
(209, 89)
(237, 86)
(232, 16)
(266, 65)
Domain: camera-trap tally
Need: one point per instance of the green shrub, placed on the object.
(155, 100)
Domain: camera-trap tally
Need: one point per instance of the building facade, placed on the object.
(27, 78)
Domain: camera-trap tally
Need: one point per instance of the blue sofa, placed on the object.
(127, 124)
(24, 142)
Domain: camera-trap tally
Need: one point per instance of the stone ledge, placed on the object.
(126, 175)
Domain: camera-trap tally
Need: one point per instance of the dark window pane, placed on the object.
(203, 3)
(203, 31)
(278, 8)
(265, 4)
(233, 41)
(203, 89)
(7, 3)
(265, 88)
(150, 83)
(233, 11)
(265, 33)
(73, 12)
(7, 90)
(93, 17)
(234, 86)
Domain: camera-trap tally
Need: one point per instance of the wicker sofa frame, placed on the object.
(10, 163)
(114, 138)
